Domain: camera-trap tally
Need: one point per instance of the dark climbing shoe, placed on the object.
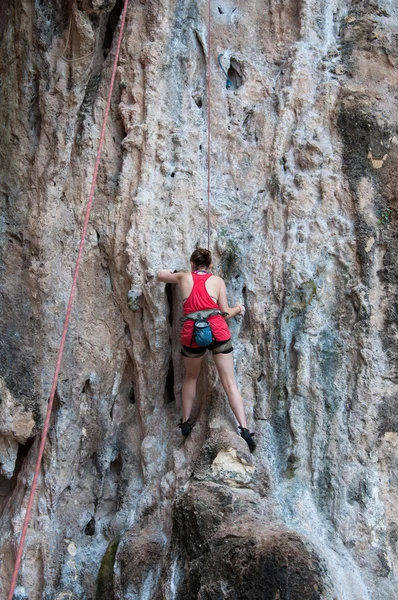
(186, 427)
(248, 437)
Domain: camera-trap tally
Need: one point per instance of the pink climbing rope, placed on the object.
(208, 127)
(68, 314)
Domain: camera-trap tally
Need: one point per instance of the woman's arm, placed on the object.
(239, 309)
(168, 276)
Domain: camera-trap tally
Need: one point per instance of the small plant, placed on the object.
(385, 216)
(133, 300)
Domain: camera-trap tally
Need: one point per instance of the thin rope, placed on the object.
(208, 128)
(68, 314)
(71, 60)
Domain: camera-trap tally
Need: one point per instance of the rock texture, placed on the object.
(304, 171)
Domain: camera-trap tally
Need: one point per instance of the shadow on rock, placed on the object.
(226, 541)
(222, 548)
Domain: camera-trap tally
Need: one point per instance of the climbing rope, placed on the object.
(208, 127)
(68, 314)
(71, 60)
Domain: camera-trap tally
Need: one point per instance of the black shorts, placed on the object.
(216, 347)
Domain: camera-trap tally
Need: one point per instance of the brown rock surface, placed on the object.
(303, 229)
(223, 547)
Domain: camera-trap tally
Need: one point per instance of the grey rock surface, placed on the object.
(304, 157)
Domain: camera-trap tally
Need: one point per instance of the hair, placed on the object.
(201, 257)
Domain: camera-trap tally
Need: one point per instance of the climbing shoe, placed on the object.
(186, 427)
(248, 437)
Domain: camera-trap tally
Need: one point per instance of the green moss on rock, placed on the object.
(300, 299)
(105, 575)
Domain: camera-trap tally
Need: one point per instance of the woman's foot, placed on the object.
(248, 437)
(186, 427)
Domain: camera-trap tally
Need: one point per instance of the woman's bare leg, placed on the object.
(225, 367)
(192, 369)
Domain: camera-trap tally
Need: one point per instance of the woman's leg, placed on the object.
(192, 369)
(225, 367)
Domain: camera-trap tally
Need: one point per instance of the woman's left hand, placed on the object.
(242, 309)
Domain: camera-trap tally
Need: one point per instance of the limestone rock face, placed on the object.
(304, 177)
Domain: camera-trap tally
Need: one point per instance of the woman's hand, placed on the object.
(239, 309)
(242, 309)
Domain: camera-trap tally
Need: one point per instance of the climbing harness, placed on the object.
(229, 82)
(202, 334)
(68, 314)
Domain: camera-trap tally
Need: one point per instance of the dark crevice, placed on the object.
(57, 403)
(116, 466)
(111, 25)
(132, 394)
(247, 120)
(200, 71)
(220, 10)
(169, 296)
(112, 410)
(86, 389)
(234, 75)
(90, 527)
(201, 47)
(127, 392)
(245, 320)
(249, 127)
(169, 395)
(294, 360)
(7, 486)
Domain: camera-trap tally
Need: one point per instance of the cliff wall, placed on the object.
(304, 157)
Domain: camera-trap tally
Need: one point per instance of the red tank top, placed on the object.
(200, 299)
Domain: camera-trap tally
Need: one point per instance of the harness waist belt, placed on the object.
(202, 314)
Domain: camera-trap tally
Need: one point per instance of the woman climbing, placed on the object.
(206, 293)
